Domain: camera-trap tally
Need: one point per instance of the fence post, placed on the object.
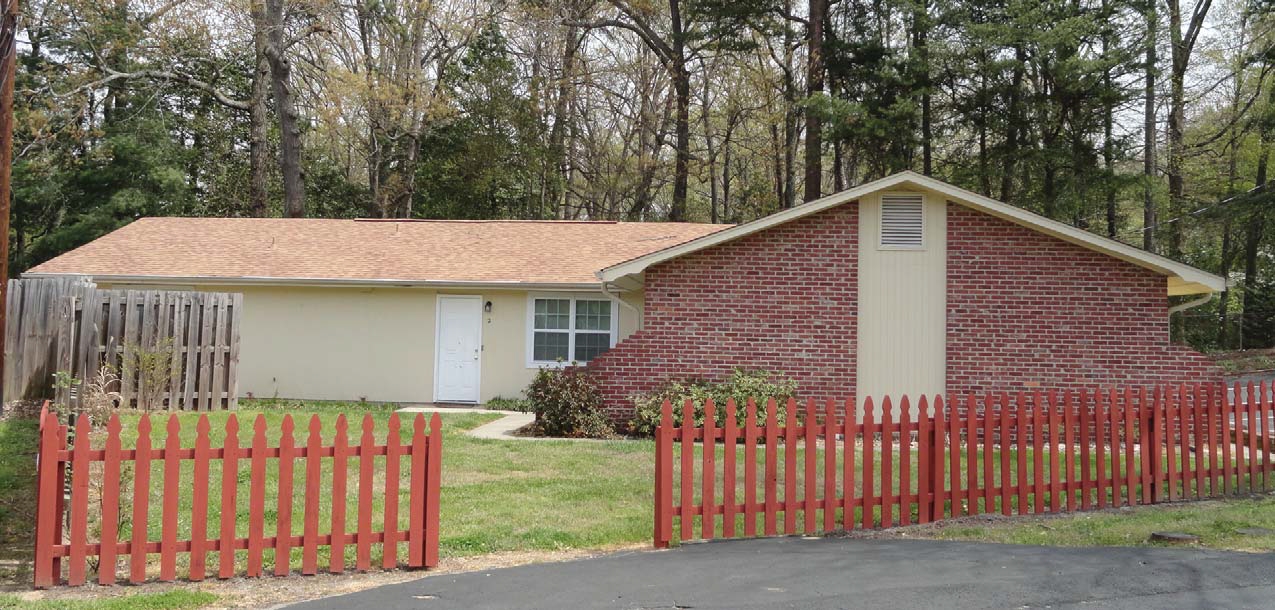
(48, 488)
(664, 477)
(433, 479)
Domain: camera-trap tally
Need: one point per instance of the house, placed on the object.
(395, 311)
(905, 284)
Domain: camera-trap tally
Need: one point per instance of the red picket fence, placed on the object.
(62, 540)
(1034, 452)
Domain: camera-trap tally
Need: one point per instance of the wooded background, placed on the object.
(1150, 121)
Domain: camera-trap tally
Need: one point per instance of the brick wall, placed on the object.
(1028, 310)
(783, 300)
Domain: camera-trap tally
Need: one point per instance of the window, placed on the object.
(569, 329)
(903, 221)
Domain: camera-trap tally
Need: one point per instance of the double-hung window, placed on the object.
(566, 329)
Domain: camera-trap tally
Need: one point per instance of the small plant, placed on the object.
(741, 385)
(153, 368)
(567, 403)
(97, 399)
(500, 403)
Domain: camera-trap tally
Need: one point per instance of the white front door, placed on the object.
(458, 360)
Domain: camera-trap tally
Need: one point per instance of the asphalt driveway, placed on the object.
(841, 573)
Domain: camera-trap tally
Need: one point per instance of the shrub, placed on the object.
(501, 403)
(567, 403)
(741, 385)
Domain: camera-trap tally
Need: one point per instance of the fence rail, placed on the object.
(62, 536)
(71, 325)
(1032, 452)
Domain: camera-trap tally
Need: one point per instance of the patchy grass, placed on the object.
(1245, 361)
(1216, 522)
(168, 600)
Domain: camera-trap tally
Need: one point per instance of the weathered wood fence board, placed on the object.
(70, 325)
(62, 537)
(1032, 452)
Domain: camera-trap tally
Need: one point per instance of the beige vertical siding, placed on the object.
(902, 307)
(373, 343)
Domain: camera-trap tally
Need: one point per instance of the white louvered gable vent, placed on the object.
(903, 221)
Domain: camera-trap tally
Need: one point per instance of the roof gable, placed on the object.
(1182, 278)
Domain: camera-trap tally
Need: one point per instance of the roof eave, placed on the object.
(203, 280)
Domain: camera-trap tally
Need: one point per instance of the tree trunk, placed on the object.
(1148, 133)
(682, 93)
(561, 108)
(1182, 45)
(285, 105)
(8, 72)
(1014, 118)
(259, 116)
(921, 33)
(1253, 240)
(814, 88)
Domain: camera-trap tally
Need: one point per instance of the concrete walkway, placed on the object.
(501, 429)
(841, 573)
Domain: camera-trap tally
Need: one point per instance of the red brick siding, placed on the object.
(1028, 310)
(784, 300)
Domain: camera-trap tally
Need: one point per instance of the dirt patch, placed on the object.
(270, 592)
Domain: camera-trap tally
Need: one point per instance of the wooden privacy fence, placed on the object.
(70, 325)
(196, 479)
(1027, 453)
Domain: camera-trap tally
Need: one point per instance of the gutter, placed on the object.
(197, 280)
(1191, 304)
(607, 290)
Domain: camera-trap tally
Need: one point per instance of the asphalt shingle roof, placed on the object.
(534, 252)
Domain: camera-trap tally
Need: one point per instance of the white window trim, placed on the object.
(881, 220)
(530, 335)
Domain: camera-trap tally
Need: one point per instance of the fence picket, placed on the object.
(340, 468)
(866, 479)
(954, 461)
(1021, 451)
(283, 504)
(416, 502)
(971, 459)
(771, 508)
(1264, 427)
(887, 498)
(172, 487)
(1226, 432)
(940, 496)
(829, 465)
(310, 518)
(141, 501)
(687, 497)
(849, 433)
(1086, 441)
(110, 502)
(389, 548)
(790, 467)
(708, 470)
(731, 437)
(1039, 418)
(809, 429)
(905, 462)
(77, 561)
(434, 465)
(257, 497)
(229, 498)
(926, 434)
(199, 502)
(1170, 441)
(750, 468)
(363, 555)
(989, 481)
(1251, 413)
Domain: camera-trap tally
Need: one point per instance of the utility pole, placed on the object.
(8, 72)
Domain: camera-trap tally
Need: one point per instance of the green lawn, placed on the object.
(169, 600)
(1216, 522)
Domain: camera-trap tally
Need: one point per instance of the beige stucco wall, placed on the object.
(376, 344)
(902, 307)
